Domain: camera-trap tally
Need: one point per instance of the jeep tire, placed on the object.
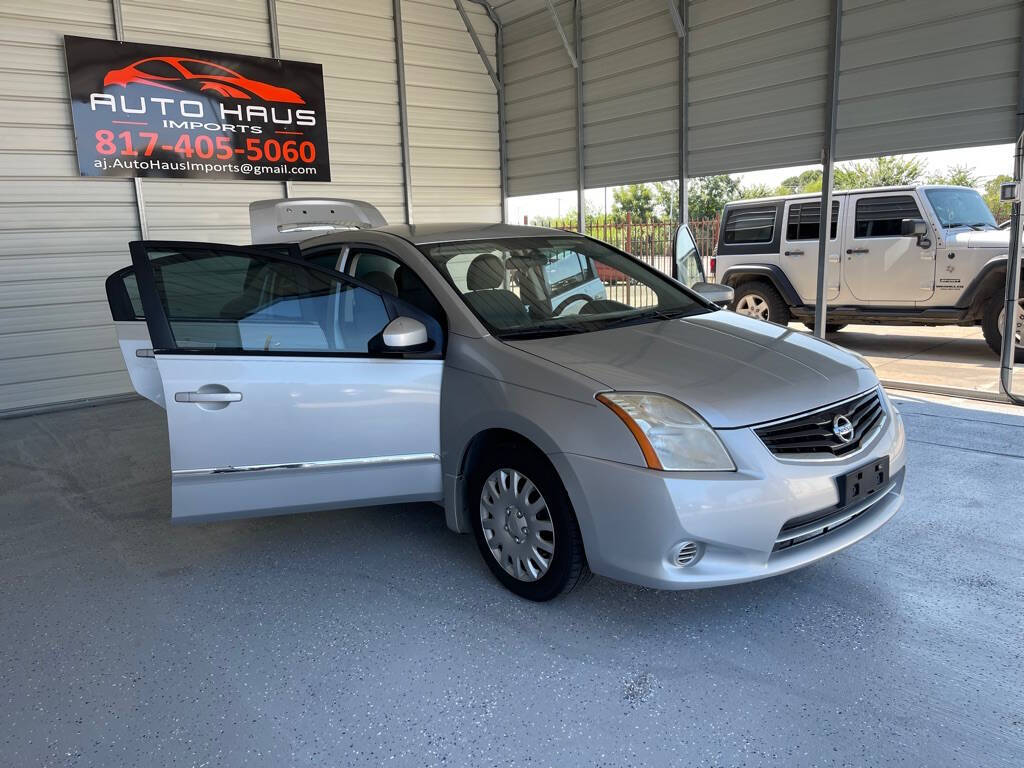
(992, 328)
(759, 299)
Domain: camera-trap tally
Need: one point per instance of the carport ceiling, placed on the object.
(913, 75)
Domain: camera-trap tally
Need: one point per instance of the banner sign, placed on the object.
(156, 110)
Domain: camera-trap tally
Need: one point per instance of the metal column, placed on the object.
(828, 151)
(498, 79)
(275, 51)
(679, 18)
(403, 112)
(581, 202)
(140, 200)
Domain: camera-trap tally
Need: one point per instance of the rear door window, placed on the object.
(803, 221)
(883, 216)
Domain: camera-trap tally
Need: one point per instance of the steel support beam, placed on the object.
(828, 150)
(682, 13)
(403, 110)
(573, 56)
(140, 199)
(498, 78)
(275, 51)
(581, 202)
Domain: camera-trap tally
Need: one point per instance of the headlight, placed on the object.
(671, 436)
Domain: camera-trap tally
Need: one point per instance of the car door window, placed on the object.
(387, 273)
(750, 225)
(232, 301)
(883, 216)
(803, 222)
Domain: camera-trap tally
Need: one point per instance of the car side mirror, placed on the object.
(913, 228)
(717, 293)
(404, 334)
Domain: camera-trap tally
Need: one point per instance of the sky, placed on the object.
(986, 161)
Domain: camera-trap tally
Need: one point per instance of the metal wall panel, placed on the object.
(355, 42)
(630, 92)
(919, 75)
(540, 97)
(453, 113)
(60, 234)
(757, 84)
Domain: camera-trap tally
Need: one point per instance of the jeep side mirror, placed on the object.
(717, 293)
(913, 228)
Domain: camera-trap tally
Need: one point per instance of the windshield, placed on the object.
(538, 286)
(960, 208)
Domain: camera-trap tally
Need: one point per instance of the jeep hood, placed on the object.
(733, 370)
(988, 238)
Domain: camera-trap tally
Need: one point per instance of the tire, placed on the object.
(760, 299)
(992, 328)
(829, 327)
(555, 526)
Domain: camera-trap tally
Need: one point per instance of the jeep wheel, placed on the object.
(761, 300)
(829, 327)
(992, 325)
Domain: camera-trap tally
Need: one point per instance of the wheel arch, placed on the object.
(456, 504)
(769, 273)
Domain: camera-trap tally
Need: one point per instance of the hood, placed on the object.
(733, 370)
(988, 238)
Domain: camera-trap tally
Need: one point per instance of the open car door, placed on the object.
(282, 389)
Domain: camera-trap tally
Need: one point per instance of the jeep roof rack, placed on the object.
(289, 220)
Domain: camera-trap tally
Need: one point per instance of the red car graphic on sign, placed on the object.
(174, 73)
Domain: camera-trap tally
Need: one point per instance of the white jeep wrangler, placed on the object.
(921, 255)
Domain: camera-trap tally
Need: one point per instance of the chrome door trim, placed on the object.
(363, 461)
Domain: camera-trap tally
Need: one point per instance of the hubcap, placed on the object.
(1020, 321)
(753, 305)
(517, 524)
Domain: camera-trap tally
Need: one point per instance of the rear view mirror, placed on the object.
(717, 293)
(404, 333)
(913, 228)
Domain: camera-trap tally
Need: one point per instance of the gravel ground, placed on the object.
(372, 637)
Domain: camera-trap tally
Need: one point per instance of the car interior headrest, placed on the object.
(485, 271)
(381, 281)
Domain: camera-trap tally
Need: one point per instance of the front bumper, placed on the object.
(633, 519)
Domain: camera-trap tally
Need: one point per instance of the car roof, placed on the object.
(839, 193)
(426, 234)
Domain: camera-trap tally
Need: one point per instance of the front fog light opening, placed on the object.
(687, 553)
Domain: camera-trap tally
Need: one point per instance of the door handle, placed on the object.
(857, 250)
(794, 253)
(207, 397)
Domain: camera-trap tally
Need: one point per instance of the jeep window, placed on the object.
(883, 216)
(802, 223)
(960, 208)
(750, 225)
(527, 287)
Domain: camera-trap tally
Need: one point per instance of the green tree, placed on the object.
(1000, 210)
(880, 172)
(756, 190)
(636, 200)
(707, 195)
(808, 181)
(666, 199)
(957, 175)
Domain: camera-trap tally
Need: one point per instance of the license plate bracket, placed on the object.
(862, 482)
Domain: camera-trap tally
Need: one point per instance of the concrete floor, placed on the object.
(371, 637)
(944, 356)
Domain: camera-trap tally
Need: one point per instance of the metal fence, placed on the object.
(652, 241)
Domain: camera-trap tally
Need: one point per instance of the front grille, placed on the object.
(813, 435)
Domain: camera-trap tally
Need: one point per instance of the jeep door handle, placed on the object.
(794, 253)
(857, 250)
(207, 397)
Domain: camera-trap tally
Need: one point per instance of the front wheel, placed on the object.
(524, 524)
(992, 325)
